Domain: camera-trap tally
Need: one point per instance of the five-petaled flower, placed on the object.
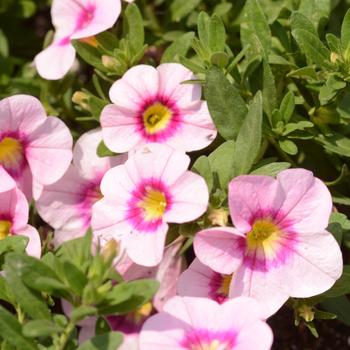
(153, 105)
(199, 323)
(279, 247)
(152, 188)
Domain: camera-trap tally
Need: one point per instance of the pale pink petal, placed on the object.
(257, 336)
(130, 342)
(308, 203)
(34, 244)
(60, 206)
(64, 14)
(270, 288)
(184, 205)
(25, 183)
(171, 75)
(21, 113)
(315, 265)
(162, 332)
(167, 274)
(220, 249)
(55, 61)
(85, 157)
(147, 248)
(139, 84)
(252, 197)
(49, 151)
(119, 129)
(197, 130)
(103, 16)
(157, 161)
(7, 183)
(195, 281)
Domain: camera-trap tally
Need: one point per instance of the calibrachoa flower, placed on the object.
(32, 145)
(200, 280)
(279, 247)
(74, 19)
(151, 105)
(67, 204)
(141, 196)
(14, 214)
(198, 323)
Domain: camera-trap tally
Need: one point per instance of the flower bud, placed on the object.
(91, 40)
(324, 115)
(81, 99)
(334, 57)
(110, 62)
(306, 312)
(218, 217)
(110, 250)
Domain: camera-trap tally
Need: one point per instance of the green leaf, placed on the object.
(82, 312)
(340, 306)
(269, 89)
(312, 47)
(249, 138)
(178, 48)
(30, 301)
(13, 243)
(225, 104)
(40, 328)
(341, 286)
(104, 151)
(89, 54)
(255, 23)
(106, 341)
(128, 296)
(202, 167)
(345, 31)
(10, 330)
(74, 277)
(181, 8)
(136, 32)
(217, 34)
(299, 21)
(203, 28)
(4, 47)
(288, 146)
(287, 106)
(221, 163)
(271, 169)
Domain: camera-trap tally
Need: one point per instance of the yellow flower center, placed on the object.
(154, 204)
(11, 152)
(5, 229)
(225, 285)
(214, 345)
(156, 118)
(263, 233)
(141, 313)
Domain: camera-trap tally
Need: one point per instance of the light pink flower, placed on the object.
(141, 196)
(279, 247)
(74, 19)
(200, 280)
(67, 204)
(198, 323)
(14, 214)
(151, 105)
(32, 145)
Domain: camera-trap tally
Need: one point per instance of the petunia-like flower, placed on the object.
(74, 19)
(151, 105)
(67, 204)
(141, 196)
(14, 214)
(200, 280)
(279, 247)
(198, 323)
(32, 145)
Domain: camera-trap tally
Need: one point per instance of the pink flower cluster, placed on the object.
(278, 246)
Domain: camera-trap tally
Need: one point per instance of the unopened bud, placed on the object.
(110, 62)
(218, 217)
(306, 312)
(334, 57)
(81, 99)
(91, 40)
(110, 250)
(324, 115)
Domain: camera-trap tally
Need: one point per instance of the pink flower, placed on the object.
(151, 105)
(74, 19)
(279, 247)
(141, 196)
(67, 204)
(32, 145)
(200, 280)
(14, 214)
(198, 323)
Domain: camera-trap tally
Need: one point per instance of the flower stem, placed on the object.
(62, 342)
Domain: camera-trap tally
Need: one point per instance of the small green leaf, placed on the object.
(181, 8)
(13, 243)
(202, 167)
(287, 106)
(217, 34)
(271, 169)
(345, 31)
(106, 341)
(40, 328)
(225, 104)
(89, 54)
(288, 146)
(249, 138)
(203, 28)
(104, 151)
(135, 32)
(10, 330)
(178, 48)
(82, 312)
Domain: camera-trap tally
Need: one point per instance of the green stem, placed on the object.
(62, 342)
